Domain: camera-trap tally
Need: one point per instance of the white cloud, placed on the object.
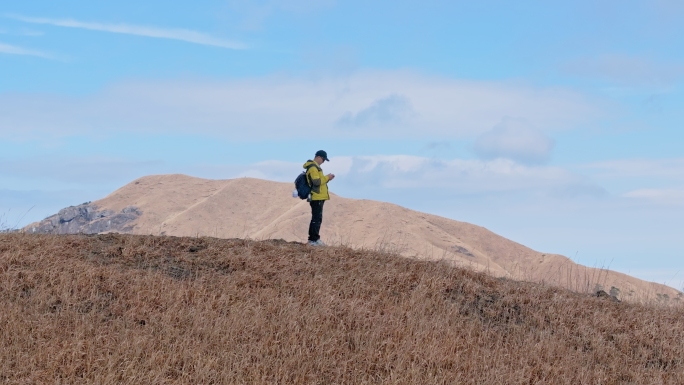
(14, 50)
(641, 181)
(287, 107)
(672, 168)
(659, 196)
(459, 176)
(393, 109)
(514, 139)
(270, 169)
(22, 32)
(77, 170)
(185, 35)
(437, 145)
(627, 70)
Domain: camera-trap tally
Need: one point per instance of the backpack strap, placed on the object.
(307, 173)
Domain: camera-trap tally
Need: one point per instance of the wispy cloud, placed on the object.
(180, 34)
(627, 70)
(662, 196)
(393, 109)
(291, 107)
(22, 32)
(92, 170)
(670, 168)
(514, 139)
(14, 50)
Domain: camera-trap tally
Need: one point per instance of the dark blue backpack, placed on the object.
(302, 184)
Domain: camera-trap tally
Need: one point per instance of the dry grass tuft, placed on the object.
(141, 309)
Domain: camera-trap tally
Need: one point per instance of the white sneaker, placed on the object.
(320, 243)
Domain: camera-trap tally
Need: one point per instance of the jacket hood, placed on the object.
(310, 162)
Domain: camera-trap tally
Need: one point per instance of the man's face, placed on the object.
(319, 160)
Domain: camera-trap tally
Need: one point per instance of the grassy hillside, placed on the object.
(182, 205)
(132, 309)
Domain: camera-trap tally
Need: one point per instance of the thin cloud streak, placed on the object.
(671, 168)
(180, 34)
(661, 196)
(14, 50)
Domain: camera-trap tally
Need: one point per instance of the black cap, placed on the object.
(322, 154)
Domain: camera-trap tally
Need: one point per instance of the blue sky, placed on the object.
(558, 125)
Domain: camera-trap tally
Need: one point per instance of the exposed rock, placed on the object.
(603, 294)
(462, 250)
(131, 209)
(87, 219)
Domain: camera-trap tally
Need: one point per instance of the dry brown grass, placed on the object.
(161, 310)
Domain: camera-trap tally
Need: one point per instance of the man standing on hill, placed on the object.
(319, 194)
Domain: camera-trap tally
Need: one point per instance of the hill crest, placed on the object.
(182, 205)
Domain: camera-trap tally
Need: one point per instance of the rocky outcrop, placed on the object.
(87, 219)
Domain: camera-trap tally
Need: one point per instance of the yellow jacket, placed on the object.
(318, 182)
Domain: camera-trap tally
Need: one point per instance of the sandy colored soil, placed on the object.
(130, 309)
(181, 205)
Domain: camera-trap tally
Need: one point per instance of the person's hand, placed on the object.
(330, 177)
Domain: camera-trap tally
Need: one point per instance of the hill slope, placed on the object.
(113, 309)
(186, 206)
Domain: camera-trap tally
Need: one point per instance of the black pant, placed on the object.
(316, 220)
